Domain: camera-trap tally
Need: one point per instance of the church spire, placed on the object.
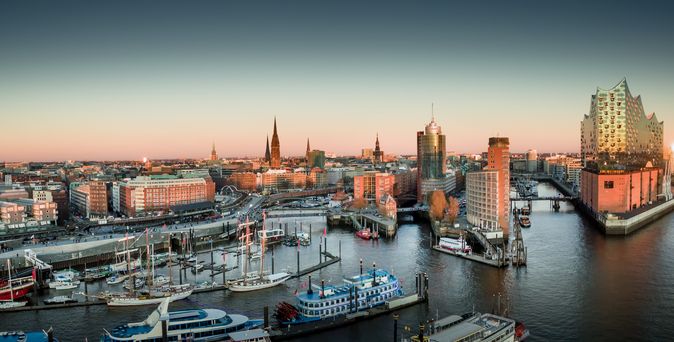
(275, 159)
(267, 153)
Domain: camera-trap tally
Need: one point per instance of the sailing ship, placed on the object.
(156, 293)
(14, 289)
(196, 325)
(252, 281)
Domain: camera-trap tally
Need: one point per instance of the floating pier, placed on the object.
(499, 262)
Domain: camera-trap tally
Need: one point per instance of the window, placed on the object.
(608, 184)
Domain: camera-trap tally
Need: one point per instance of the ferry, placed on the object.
(474, 327)
(524, 221)
(360, 292)
(196, 325)
(456, 245)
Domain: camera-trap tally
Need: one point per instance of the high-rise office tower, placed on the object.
(431, 167)
(488, 190)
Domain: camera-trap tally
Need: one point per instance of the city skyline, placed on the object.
(169, 85)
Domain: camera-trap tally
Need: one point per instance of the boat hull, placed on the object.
(257, 285)
(146, 301)
(19, 292)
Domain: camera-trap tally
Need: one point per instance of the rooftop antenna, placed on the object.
(432, 112)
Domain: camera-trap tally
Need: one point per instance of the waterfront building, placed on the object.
(387, 206)
(622, 153)
(243, 181)
(275, 158)
(281, 180)
(42, 212)
(317, 178)
(431, 165)
(12, 213)
(618, 132)
(147, 194)
(90, 199)
(373, 185)
(488, 190)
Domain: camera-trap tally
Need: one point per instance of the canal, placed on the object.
(578, 285)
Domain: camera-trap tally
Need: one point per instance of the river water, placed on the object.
(578, 284)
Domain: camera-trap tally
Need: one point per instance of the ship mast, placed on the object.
(245, 262)
(262, 242)
(170, 264)
(9, 273)
(147, 251)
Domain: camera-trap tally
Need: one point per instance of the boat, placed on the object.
(198, 325)
(358, 293)
(138, 283)
(16, 287)
(62, 284)
(364, 234)
(256, 281)
(173, 293)
(67, 286)
(197, 268)
(65, 276)
(12, 304)
(116, 279)
(98, 273)
(525, 211)
(160, 281)
(521, 331)
(30, 336)
(273, 235)
(456, 245)
(60, 300)
(471, 327)
(524, 221)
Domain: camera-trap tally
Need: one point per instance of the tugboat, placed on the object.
(198, 325)
(364, 234)
(360, 292)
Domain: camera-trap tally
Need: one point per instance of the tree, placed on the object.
(438, 203)
(453, 209)
(359, 203)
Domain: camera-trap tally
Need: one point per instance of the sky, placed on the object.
(89, 80)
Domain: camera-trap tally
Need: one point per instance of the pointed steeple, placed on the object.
(376, 144)
(275, 159)
(267, 153)
(308, 148)
(214, 155)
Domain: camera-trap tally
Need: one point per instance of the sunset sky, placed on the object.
(124, 80)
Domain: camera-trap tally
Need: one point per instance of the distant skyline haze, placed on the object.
(84, 80)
